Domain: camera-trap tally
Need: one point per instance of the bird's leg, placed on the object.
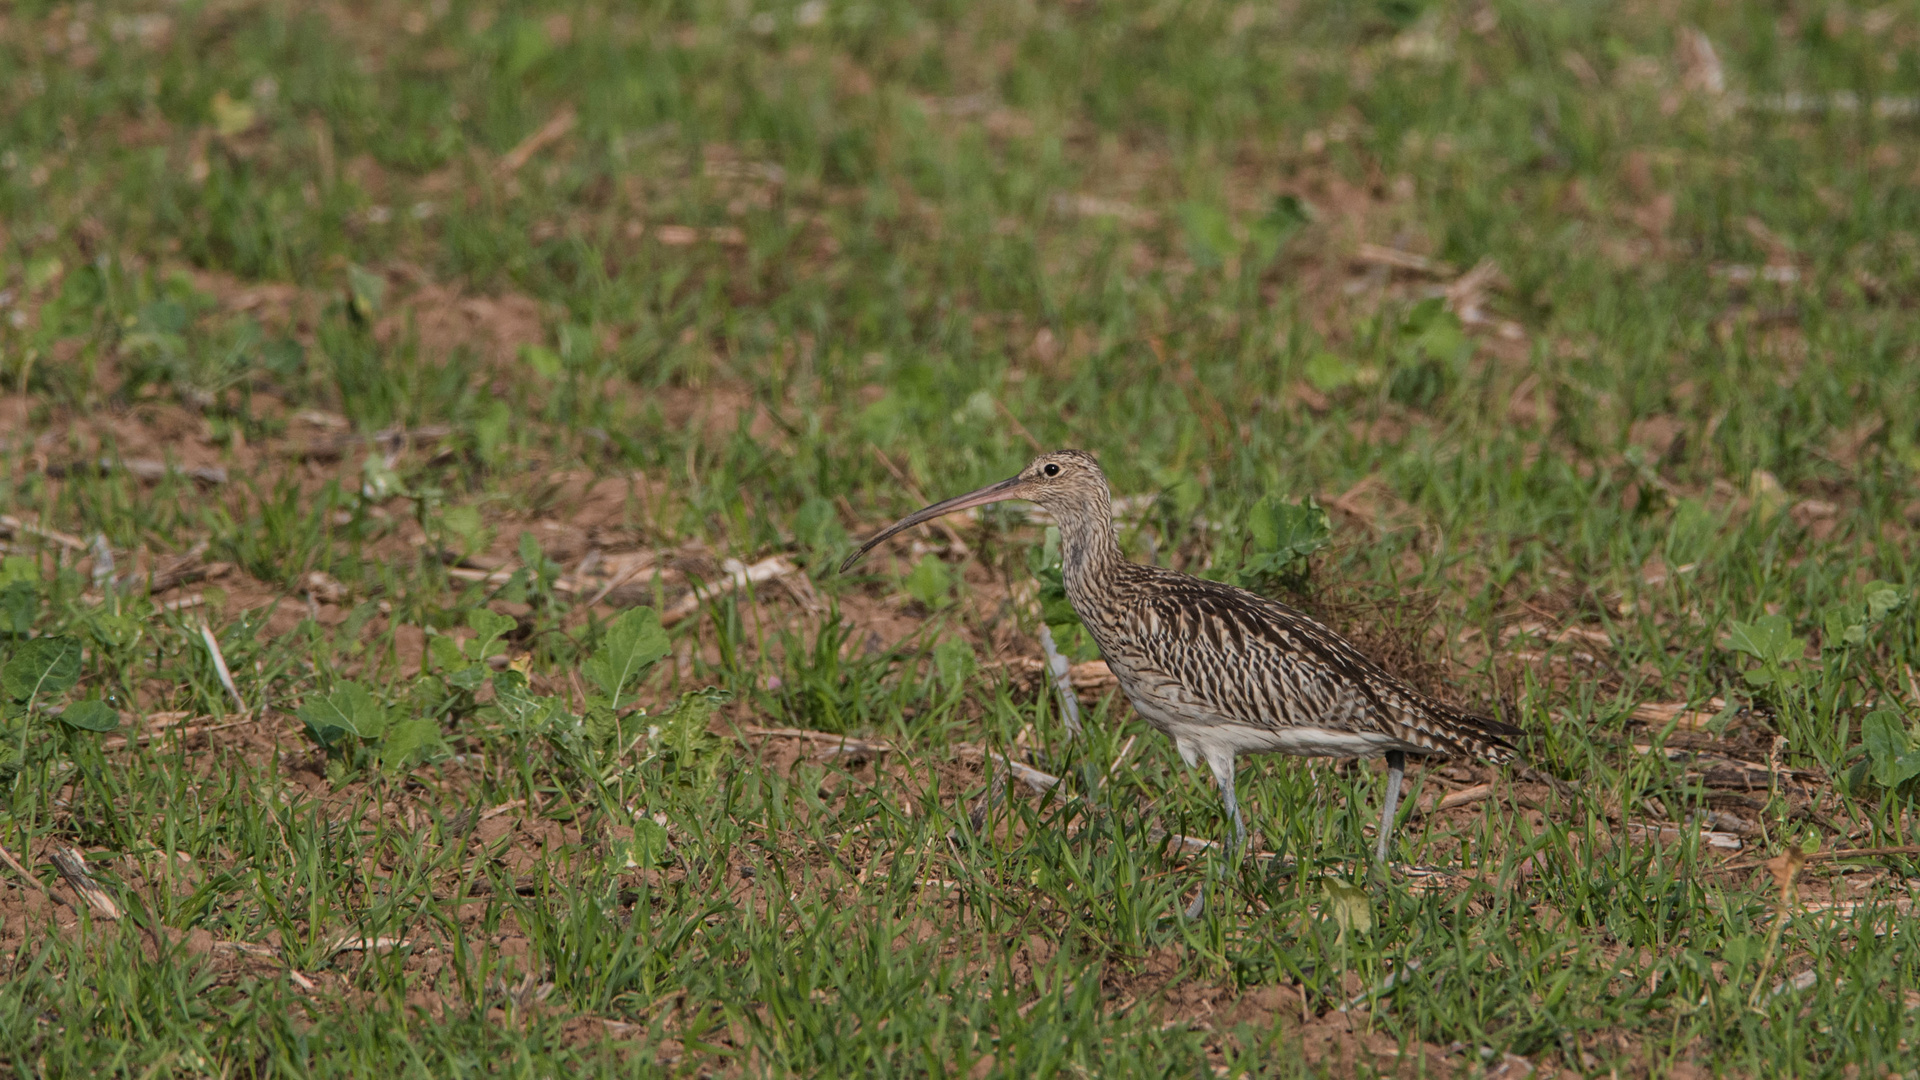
(1396, 771)
(1199, 905)
(1232, 800)
(1222, 766)
(1057, 668)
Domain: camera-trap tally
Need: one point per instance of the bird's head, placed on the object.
(1066, 482)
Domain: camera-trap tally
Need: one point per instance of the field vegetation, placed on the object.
(428, 431)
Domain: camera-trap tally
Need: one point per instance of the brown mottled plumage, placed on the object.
(1221, 670)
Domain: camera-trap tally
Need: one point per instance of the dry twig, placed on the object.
(220, 666)
(72, 864)
(7, 857)
(550, 132)
(14, 526)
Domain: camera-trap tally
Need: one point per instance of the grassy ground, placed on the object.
(363, 364)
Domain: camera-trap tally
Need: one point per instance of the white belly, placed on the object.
(1197, 742)
(1220, 741)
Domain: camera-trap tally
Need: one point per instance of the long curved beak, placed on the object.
(992, 493)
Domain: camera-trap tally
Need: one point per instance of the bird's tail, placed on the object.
(1483, 737)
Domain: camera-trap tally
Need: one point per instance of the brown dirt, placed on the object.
(443, 320)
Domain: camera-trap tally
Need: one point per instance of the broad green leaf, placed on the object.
(1072, 641)
(930, 582)
(1351, 910)
(1838, 628)
(19, 568)
(1181, 494)
(1044, 562)
(365, 291)
(446, 653)
(1768, 495)
(1443, 340)
(885, 417)
(979, 409)
(1883, 599)
(1740, 950)
(683, 735)
(601, 724)
(465, 524)
(528, 45)
(325, 727)
(349, 710)
(113, 631)
(1429, 354)
(953, 661)
(1287, 531)
(231, 116)
(1209, 233)
(42, 271)
(534, 561)
(817, 528)
(369, 718)
(1768, 639)
(1055, 608)
(91, 714)
(694, 709)
(1424, 316)
(649, 842)
(1856, 779)
(646, 848)
(517, 705)
(41, 667)
(1885, 738)
(1284, 535)
(19, 604)
(1849, 624)
(1273, 229)
(489, 626)
(1327, 372)
(633, 644)
(544, 361)
(410, 742)
(284, 357)
(378, 480)
(492, 430)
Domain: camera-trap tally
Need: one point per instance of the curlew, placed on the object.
(1223, 671)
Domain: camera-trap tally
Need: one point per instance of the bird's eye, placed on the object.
(1051, 469)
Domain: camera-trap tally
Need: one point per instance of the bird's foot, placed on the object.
(1199, 905)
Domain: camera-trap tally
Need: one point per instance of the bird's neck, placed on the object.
(1089, 548)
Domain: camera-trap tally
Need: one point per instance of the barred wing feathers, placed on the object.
(1247, 659)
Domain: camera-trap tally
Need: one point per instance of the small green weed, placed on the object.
(1284, 536)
